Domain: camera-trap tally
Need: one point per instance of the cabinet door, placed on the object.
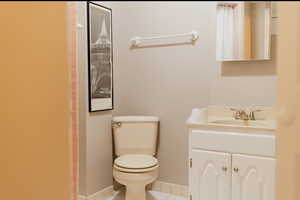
(210, 175)
(253, 178)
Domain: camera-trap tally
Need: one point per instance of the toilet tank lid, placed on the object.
(135, 119)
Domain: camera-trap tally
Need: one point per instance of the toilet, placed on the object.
(135, 141)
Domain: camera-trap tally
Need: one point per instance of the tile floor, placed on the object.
(151, 195)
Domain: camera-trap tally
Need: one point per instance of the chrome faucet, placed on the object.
(242, 115)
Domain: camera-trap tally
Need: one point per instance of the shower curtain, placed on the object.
(228, 32)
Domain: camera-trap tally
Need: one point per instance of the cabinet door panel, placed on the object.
(211, 175)
(253, 178)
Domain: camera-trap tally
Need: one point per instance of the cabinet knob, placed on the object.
(224, 169)
(236, 169)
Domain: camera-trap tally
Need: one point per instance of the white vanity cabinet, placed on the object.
(228, 169)
(210, 175)
(253, 178)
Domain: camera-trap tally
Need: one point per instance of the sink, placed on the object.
(222, 118)
(239, 122)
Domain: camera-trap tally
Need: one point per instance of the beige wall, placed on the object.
(95, 142)
(35, 115)
(288, 148)
(170, 80)
(245, 83)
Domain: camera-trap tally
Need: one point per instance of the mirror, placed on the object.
(243, 30)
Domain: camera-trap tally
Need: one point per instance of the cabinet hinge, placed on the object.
(191, 162)
(191, 198)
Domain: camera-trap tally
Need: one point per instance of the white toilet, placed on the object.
(135, 139)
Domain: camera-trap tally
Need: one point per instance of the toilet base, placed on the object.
(135, 183)
(135, 191)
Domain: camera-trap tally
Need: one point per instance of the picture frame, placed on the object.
(100, 57)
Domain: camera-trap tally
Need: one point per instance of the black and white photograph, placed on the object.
(100, 63)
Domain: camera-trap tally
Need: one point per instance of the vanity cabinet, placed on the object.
(253, 178)
(224, 176)
(218, 172)
(210, 175)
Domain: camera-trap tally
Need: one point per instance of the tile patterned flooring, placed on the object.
(151, 195)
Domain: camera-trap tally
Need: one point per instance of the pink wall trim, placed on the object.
(74, 101)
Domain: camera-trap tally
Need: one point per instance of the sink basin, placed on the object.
(239, 122)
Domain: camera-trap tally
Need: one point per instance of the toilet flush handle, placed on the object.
(116, 124)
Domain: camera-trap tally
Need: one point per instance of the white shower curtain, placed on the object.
(225, 32)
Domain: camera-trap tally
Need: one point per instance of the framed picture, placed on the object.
(100, 57)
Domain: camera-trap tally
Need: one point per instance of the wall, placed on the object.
(170, 80)
(245, 83)
(95, 142)
(35, 104)
(288, 137)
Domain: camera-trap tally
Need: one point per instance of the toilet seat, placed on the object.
(136, 163)
(126, 170)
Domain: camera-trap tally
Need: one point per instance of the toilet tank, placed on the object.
(135, 134)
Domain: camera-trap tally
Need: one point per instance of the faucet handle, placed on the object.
(236, 110)
(252, 114)
(237, 114)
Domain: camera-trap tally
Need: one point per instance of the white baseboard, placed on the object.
(158, 186)
(81, 197)
(100, 195)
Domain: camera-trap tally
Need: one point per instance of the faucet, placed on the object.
(241, 114)
(252, 114)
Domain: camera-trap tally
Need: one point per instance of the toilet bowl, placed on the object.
(135, 172)
(135, 139)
